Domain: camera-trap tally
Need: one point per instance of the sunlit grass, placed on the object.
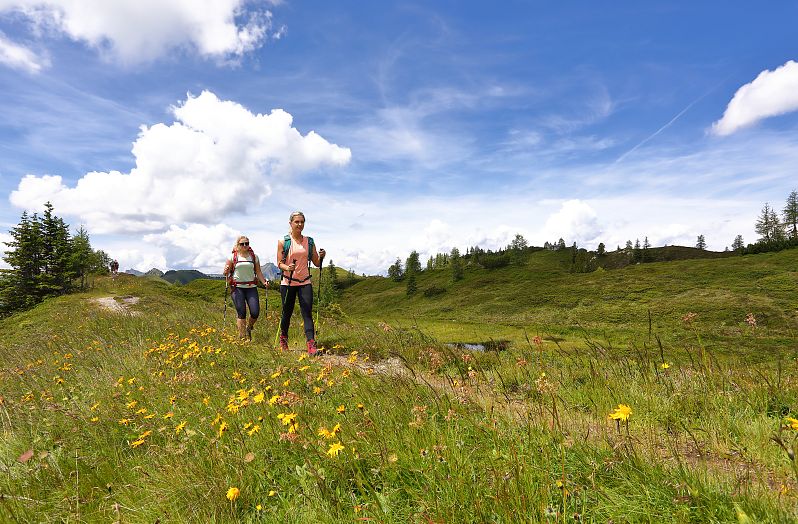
(166, 416)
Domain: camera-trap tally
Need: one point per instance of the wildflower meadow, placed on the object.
(156, 412)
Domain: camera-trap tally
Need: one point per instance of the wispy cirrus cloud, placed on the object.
(20, 57)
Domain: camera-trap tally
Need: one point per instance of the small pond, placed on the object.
(489, 345)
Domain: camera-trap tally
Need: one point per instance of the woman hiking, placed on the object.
(243, 273)
(294, 254)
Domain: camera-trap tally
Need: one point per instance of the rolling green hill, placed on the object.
(134, 402)
(539, 294)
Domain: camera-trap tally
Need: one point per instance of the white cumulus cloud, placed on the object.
(195, 170)
(771, 93)
(196, 245)
(575, 221)
(134, 31)
(20, 57)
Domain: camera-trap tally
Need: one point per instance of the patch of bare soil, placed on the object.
(119, 305)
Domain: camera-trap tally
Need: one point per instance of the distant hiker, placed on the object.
(243, 273)
(294, 254)
(114, 268)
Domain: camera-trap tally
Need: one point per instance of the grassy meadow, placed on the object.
(639, 394)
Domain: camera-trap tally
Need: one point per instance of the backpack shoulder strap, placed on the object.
(286, 246)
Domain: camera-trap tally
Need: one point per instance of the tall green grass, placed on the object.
(430, 433)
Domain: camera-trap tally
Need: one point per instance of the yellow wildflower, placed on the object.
(137, 443)
(664, 365)
(621, 413)
(168, 415)
(257, 399)
(222, 428)
(792, 423)
(335, 449)
(180, 427)
(233, 494)
(340, 409)
(255, 429)
(274, 400)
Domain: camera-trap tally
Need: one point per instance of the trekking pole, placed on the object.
(318, 301)
(279, 320)
(224, 316)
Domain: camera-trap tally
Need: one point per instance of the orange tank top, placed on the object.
(297, 253)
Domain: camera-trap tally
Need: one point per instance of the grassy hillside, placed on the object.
(540, 296)
(132, 403)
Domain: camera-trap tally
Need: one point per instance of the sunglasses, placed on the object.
(243, 243)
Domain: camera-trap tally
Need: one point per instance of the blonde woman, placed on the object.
(243, 273)
(294, 254)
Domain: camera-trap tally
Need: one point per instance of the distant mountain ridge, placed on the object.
(184, 276)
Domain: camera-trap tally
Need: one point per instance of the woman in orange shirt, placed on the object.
(295, 266)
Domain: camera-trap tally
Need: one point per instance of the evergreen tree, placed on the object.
(430, 263)
(456, 264)
(81, 258)
(701, 242)
(395, 271)
(412, 287)
(55, 277)
(18, 287)
(637, 253)
(519, 243)
(764, 224)
(332, 276)
(738, 244)
(601, 249)
(777, 228)
(628, 246)
(413, 263)
(791, 215)
(560, 244)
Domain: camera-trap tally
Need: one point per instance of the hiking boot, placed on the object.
(283, 343)
(249, 332)
(312, 349)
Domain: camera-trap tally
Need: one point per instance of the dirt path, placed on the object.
(119, 305)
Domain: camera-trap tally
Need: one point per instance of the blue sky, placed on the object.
(395, 125)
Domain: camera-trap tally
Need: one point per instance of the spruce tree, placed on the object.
(395, 272)
(413, 263)
(701, 242)
(18, 287)
(764, 224)
(456, 264)
(738, 244)
(601, 249)
(790, 214)
(412, 287)
(81, 256)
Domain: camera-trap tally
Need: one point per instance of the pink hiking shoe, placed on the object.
(312, 349)
(283, 343)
